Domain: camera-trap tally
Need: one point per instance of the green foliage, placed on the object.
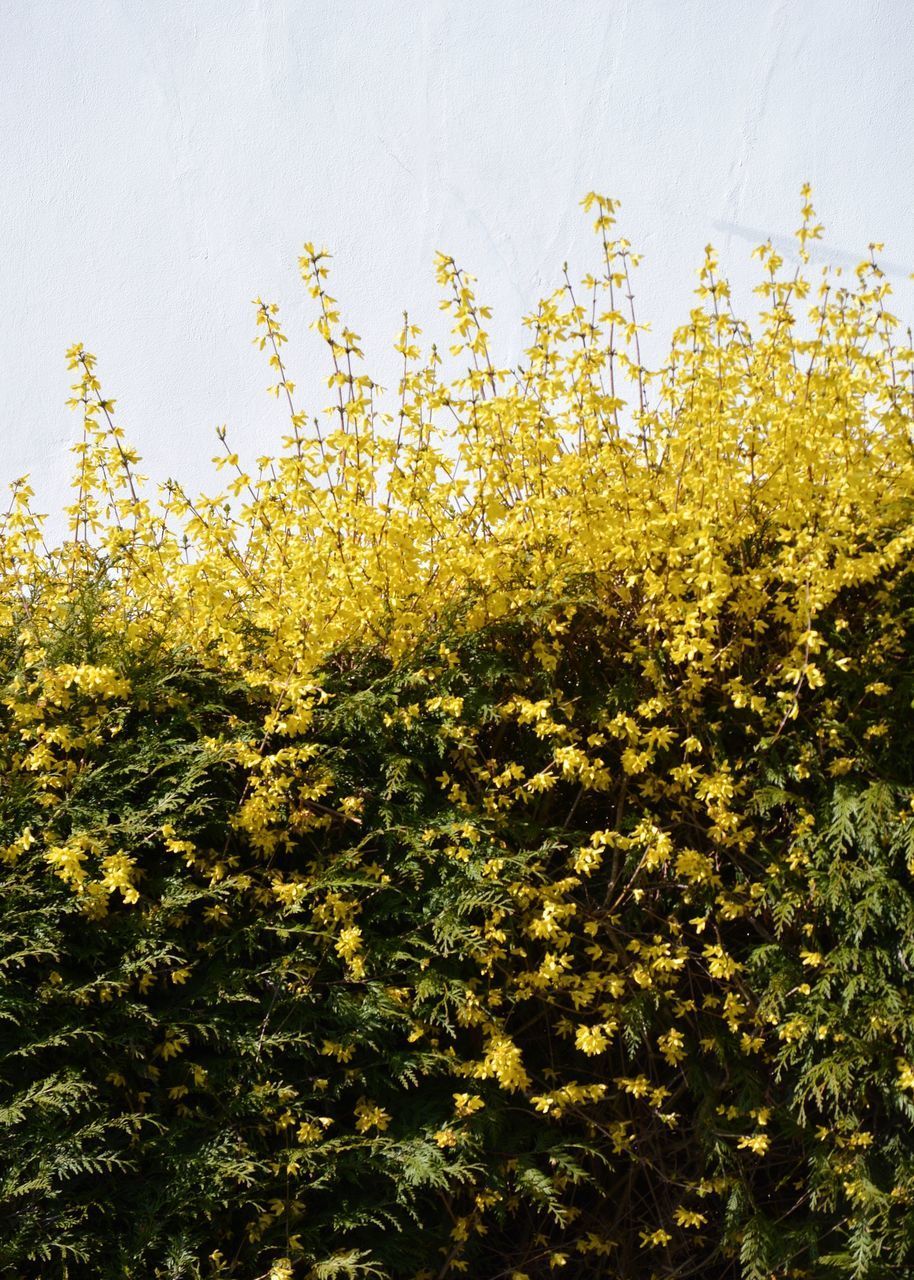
(212, 1081)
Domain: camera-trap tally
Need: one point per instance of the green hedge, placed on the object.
(200, 1083)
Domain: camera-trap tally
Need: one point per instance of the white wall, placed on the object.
(162, 161)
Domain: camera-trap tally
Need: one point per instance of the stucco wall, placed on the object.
(163, 161)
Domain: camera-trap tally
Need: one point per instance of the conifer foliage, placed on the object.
(480, 840)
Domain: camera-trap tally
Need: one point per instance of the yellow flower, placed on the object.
(757, 1143)
(370, 1116)
(671, 1045)
(465, 1104)
(688, 1217)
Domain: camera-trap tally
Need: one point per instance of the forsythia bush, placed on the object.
(480, 841)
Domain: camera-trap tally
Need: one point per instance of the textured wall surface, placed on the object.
(163, 160)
